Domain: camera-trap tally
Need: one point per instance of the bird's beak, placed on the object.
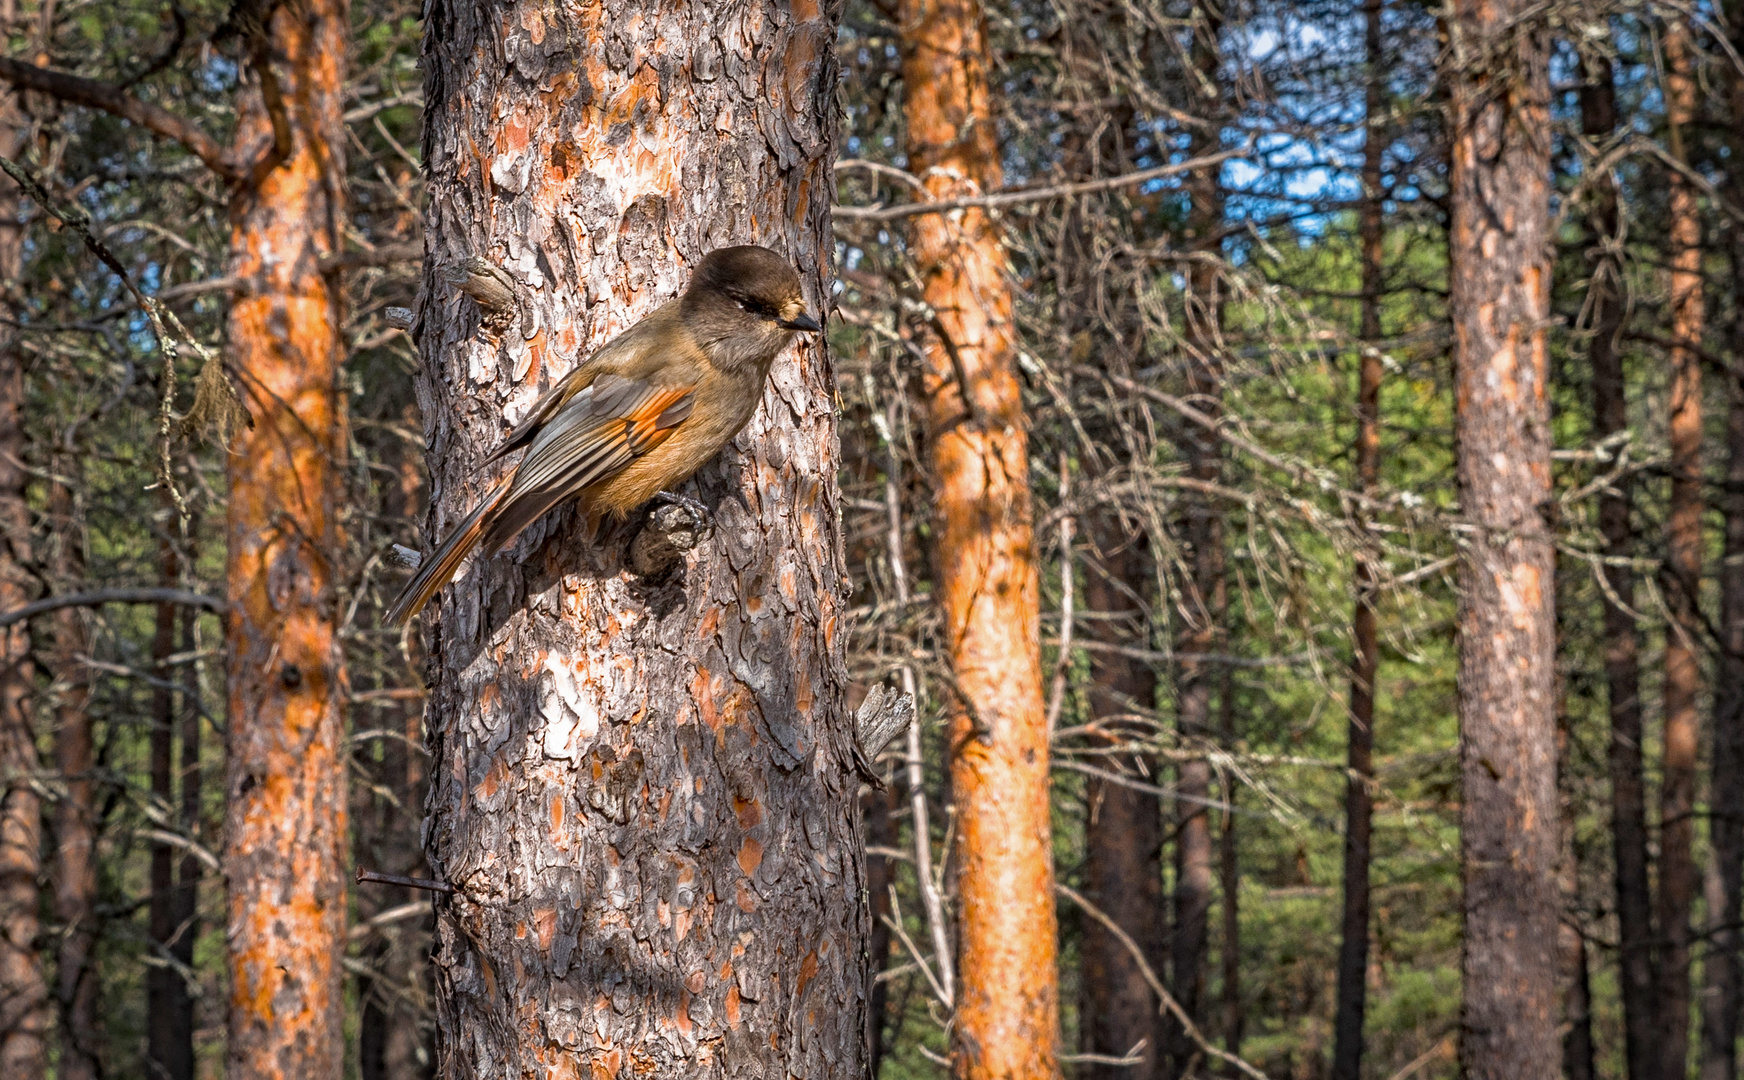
(802, 321)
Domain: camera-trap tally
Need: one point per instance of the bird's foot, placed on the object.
(676, 524)
(701, 519)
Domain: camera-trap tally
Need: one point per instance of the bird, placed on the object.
(641, 414)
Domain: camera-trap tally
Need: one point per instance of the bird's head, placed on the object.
(745, 303)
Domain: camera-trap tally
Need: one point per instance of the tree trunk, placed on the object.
(75, 831)
(1598, 102)
(169, 1008)
(643, 792)
(1499, 282)
(1124, 836)
(186, 910)
(1229, 884)
(1202, 606)
(1353, 951)
(1721, 1000)
(24, 996)
(988, 588)
(1683, 572)
(285, 824)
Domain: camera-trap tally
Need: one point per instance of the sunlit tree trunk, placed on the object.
(1007, 1016)
(1497, 75)
(24, 996)
(1598, 103)
(1353, 952)
(1683, 573)
(285, 823)
(643, 791)
(1201, 610)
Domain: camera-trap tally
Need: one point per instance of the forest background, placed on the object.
(1230, 218)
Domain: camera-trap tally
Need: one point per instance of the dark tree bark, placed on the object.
(1229, 884)
(285, 824)
(988, 585)
(643, 792)
(169, 1008)
(1683, 572)
(1598, 102)
(1201, 612)
(80, 1041)
(24, 995)
(1353, 951)
(1124, 840)
(1721, 1001)
(1497, 76)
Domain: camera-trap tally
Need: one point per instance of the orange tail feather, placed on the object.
(439, 567)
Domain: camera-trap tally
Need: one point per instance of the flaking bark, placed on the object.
(285, 824)
(1500, 293)
(988, 585)
(643, 790)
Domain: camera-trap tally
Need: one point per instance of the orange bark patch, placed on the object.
(750, 856)
(545, 922)
(732, 1006)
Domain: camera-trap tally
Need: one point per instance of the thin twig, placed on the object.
(1168, 1005)
(99, 597)
(409, 882)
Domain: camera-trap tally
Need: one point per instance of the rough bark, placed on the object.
(988, 587)
(285, 822)
(1682, 571)
(1123, 841)
(24, 996)
(1229, 885)
(1353, 950)
(643, 792)
(1497, 75)
(80, 1039)
(1201, 612)
(1598, 103)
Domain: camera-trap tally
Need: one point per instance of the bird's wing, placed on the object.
(600, 431)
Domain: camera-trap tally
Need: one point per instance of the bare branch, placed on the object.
(92, 94)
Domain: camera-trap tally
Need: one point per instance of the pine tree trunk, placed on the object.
(1123, 842)
(1203, 601)
(24, 996)
(1721, 1001)
(1497, 74)
(1598, 102)
(988, 585)
(643, 791)
(75, 827)
(169, 1009)
(285, 828)
(1353, 952)
(1683, 572)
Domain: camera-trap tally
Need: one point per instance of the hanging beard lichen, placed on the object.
(216, 410)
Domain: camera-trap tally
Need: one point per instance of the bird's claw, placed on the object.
(675, 525)
(702, 521)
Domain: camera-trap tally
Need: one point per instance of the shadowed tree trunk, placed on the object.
(1124, 835)
(75, 884)
(1007, 1015)
(643, 791)
(1201, 612)
(24, 996)
(1353, 951)
(169, 1008)
(1721, 999)
(1497, 74)
(285, 825)
(1683, 571)
(1598, 103)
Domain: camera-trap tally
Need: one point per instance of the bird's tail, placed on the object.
(439, 566)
